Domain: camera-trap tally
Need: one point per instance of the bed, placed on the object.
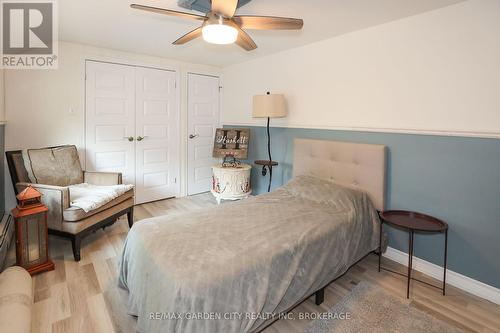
(238, 266)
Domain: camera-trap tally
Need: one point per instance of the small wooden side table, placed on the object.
(414, 223)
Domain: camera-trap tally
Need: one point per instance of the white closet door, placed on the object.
(110, 119)
(157, 154)
(203, 119)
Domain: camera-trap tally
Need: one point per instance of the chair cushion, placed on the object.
(74, 214)
(59, 166)
(78, 226)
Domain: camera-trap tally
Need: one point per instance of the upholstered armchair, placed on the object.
(52, 171)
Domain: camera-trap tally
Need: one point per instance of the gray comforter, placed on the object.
(234, 267)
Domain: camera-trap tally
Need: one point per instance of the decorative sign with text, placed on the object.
(231, 142)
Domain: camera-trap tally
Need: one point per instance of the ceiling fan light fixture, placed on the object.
(219, 33)
(221, 25)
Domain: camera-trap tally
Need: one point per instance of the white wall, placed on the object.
(2, 109)
(46, 107)
(437, 72)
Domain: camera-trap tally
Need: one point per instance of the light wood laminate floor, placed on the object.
(84, 297)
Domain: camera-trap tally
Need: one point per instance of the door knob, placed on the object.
(192, 136)
(129, 138)
(140, 138)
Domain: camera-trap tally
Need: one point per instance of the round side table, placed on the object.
(231, 183)
(414, 223)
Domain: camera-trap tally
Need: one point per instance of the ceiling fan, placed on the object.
(221, 26)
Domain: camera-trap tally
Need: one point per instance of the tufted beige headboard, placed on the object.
(355, 165)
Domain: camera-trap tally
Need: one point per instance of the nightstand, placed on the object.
(231, 183)
(414, 223)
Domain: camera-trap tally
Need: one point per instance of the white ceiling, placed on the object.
(112, 24)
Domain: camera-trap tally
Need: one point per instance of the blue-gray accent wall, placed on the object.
(456, 179)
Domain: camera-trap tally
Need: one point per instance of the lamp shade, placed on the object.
(270, 105)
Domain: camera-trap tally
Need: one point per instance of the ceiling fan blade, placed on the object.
(188, 37)
(268, 22)
(225, 8)
(245, 41)
(168, 12)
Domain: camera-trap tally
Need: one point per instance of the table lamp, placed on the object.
(268, 106)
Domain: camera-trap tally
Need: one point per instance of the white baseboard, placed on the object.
(455, 279)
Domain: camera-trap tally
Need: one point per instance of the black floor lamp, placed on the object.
(268, 106)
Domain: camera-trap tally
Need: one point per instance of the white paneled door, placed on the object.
(203, 119)
(131, 127)
(110, 119)
(156, 135)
